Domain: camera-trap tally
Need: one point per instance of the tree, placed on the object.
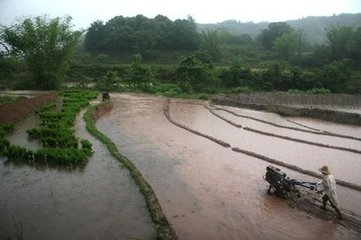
(194, 72)
(335, 76)
(139, 73)
(356, 45)
(274, 30)
(94, 38)
(109, 82)
(142, 35)
(45, 44)
(236, 75)
(339, 40)
(276, 78)
(211, 41)
(184, 35)
(286, 45)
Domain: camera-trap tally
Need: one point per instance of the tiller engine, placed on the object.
(283, 186)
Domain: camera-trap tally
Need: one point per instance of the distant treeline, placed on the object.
(177, 53)
(314, 28)
(141, 34)
(230, 40)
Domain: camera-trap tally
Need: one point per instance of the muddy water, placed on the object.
(19, 135)
(208, 191)
(301, 123)
(346, 164)
(329, 126)
(99, 201)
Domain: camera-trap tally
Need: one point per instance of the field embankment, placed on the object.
(340, 108)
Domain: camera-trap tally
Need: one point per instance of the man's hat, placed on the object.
(324, 170)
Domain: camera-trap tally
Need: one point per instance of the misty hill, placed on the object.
(312, 27)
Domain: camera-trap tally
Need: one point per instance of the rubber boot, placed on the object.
(339, 215)
(323, 207)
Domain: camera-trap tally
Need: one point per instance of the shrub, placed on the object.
(335, 76)
(295, 91)
(5, 129)
(318, 91)
(16, 153)
(173, 92)
(86, 146)
(4, 145)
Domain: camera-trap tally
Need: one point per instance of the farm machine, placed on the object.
(282, 185)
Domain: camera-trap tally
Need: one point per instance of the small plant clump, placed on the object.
(60, 145)
(310, 91)
(4, 143)
(7, 99)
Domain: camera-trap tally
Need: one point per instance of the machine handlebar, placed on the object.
(310, 185)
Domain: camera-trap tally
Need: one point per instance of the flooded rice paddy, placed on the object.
(207, 191)
(96, 201)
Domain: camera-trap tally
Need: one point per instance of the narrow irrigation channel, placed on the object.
(97, 201)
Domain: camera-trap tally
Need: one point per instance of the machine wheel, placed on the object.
(283, 194)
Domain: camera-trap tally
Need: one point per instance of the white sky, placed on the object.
(84, 12)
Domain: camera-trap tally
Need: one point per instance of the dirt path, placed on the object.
(209, 191)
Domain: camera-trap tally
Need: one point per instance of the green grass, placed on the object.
(7, 99)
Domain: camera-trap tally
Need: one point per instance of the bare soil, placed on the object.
(25, 105)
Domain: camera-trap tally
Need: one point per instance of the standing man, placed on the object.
(329, 189)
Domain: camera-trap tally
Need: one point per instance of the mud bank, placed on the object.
(335, 108)
(100, 110)
(20, 108)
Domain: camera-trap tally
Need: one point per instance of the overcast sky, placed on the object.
(84, 12)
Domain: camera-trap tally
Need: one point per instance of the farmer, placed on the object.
(105, 96)
(329, 189)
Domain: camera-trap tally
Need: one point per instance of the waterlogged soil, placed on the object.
(208, 191)
(96, 201)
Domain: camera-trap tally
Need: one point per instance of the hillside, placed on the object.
(313, 27)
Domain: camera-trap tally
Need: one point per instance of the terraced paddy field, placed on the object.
(206, 165)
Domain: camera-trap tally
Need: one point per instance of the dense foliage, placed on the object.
(45, 44)
(141, 34)
(194, 73)
(140, 54)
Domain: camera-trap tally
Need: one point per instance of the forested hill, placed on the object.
(312, 27)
